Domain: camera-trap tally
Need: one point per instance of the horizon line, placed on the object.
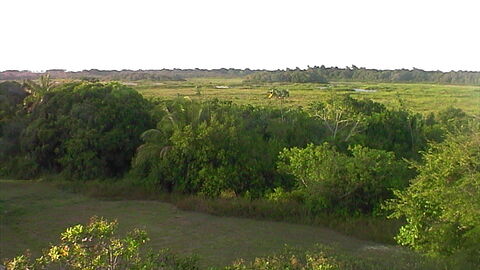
(233, 68)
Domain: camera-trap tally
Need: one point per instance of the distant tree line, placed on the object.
(323, 74)
(314, 74)
(126, 75)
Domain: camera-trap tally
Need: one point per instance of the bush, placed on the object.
(290, 260)
(442, 204)
(332, 180)
(19, 167)
(211, 147)
(96, 246)
(87, 130)
(324, 258)
(11, 94)
(398, 131)
(350, 121)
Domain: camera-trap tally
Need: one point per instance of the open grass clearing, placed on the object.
(33, 214)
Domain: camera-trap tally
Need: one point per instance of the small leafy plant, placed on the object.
(95, 246)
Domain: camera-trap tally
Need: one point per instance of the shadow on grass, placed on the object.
(376, 229)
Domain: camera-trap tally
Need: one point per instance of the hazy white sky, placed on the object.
(148, 34)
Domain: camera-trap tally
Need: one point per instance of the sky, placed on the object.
(261, 34)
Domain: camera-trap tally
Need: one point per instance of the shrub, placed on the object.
(289, 260)
(324, 258)
(96, 247)
(332, 180)
(398, 131)
(442, 204)
(19, 167)
(212, 147)
(87, 130)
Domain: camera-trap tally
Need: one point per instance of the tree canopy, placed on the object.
(88, 130)
(442, 204)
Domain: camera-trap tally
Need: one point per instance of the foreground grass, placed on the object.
(376, 229)
(33, 214)
(422, 98)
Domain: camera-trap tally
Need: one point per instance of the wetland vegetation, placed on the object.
(267, 161)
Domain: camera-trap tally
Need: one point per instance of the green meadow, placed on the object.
(422, 98)
(33, 214)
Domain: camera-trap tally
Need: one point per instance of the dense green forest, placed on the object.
(340, 155)
(355, 74)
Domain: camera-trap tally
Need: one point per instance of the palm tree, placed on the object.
(37, 91)
(181, 113)
(155, 146)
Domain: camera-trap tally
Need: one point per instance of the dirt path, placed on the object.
(33, 215)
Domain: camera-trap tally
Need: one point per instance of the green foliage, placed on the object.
(92, 130)
(342, 116)
(294, 76)
(87, 130)
(280, 195)
(95, 246)
(442, 204)
(11, 95)
(324, 258)
(217, 146)
(453, 120)
(311, 74)
(353, 121)
(37, 91)
(128, 75)
(290, 260)
(12, 124)
(335, 181)
(19, 167)
(398, 131)
(213, 147)
(11, 131)
(324, 74)
(203, 148)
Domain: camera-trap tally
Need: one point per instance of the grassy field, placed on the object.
(423, 98)
(33, 214)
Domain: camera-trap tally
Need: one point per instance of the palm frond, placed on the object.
(151, 135)
(147, 152)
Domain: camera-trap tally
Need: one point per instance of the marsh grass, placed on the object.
(422, 98)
